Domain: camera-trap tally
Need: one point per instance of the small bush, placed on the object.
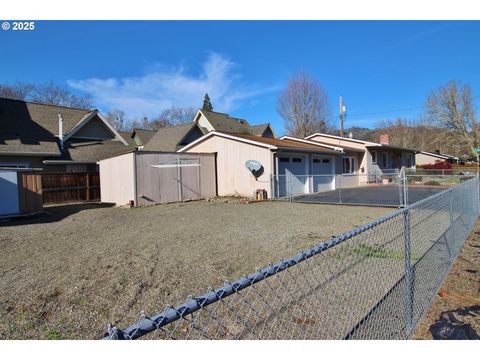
(432, 183)
(439, 165)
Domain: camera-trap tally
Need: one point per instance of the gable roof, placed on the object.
(168, 138)
(28, 128)
(225, 123)
(366, 143)
(269, 143)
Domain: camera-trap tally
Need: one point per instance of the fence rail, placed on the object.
(374, 282)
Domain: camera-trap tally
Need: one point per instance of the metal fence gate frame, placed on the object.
(374, 282)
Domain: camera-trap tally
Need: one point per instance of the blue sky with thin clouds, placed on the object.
(383, 69)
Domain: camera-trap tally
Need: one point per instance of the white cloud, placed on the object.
(159, 89)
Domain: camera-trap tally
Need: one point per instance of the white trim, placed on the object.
(62, 162)
(336, 148)
(352, 164)
(446, 157)
(344, 138)
(83, 122)
(226, 136)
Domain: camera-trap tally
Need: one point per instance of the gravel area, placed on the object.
(67, 274)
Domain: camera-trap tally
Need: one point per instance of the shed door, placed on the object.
(8, 193)
(292, 178)
(323, 173)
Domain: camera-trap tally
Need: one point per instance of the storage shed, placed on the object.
(20, 192)
(149, 178)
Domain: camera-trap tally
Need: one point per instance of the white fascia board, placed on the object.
(90, 117)
(437, 155)
(369, 143)
(226, 136)
(336, 148)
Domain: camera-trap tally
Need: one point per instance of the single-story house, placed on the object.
(277, 158)
(367, 157)
(428, 158)
(56, 138)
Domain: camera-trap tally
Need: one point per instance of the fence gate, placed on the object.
(61, 188)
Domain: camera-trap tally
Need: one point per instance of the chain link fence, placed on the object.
(374, 282)
(388, 190)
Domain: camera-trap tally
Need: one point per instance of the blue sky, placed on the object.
(383, 69)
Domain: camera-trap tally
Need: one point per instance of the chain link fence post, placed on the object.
(405, 190)
(450, 239)
(408, 273)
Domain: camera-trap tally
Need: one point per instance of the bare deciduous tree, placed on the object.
(48, 93)
(452, 107)
(17, 91)
(304, 106)
(173, 116)
(117, 119)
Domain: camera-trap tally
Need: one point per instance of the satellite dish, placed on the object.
(254, 167)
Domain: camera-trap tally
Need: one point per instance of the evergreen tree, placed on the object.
(207, 105)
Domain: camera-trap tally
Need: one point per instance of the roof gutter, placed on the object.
(59, 162)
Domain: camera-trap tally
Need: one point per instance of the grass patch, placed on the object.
(53, 335)
(380, 253)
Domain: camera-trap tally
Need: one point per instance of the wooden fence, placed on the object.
(30, 192)
(60, 188)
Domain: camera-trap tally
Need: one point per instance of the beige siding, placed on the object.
(117, 179)
(425, 159)
(233, 178)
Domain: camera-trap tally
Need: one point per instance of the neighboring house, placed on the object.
(278, 158)
(215, 121)
(173, 138)
(55, 138)
(428, 158)
(367, 157)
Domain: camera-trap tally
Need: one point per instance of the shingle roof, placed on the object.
(226, 123)
(281, 143)
(167, 139)
(92, 151)
(144, 135)
(31, 128)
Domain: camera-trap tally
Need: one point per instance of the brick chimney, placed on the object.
(385, 139)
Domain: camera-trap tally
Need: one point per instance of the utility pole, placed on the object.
(342, 115)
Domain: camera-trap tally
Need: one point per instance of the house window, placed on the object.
(316, 161)
(326, 161)
(284, 159)
(297, 160)
(385, 160)
(374, 157)
(348, 165)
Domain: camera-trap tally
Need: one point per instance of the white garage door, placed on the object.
(8, 193)
(323, 173)
(291, 171)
